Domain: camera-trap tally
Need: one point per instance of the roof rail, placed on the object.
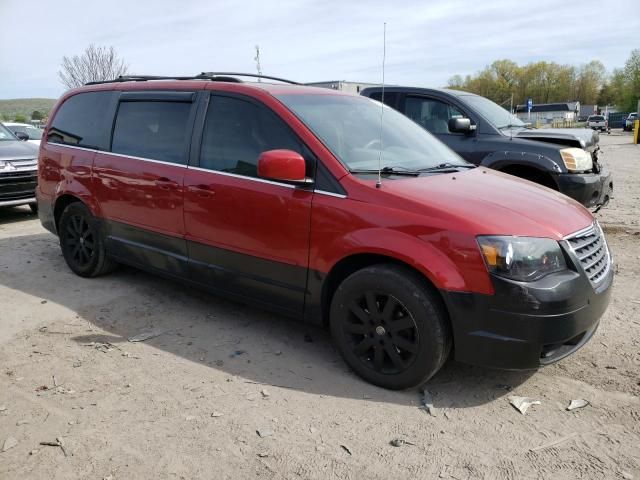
(213, 76)
(252, 75)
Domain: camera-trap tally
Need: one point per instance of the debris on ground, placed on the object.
(398, 442)
(3, 408)
(217, 414)
(237, 353)
(427, 403)
(263, 455)
(626, 475)
(522, 404)
(554, 443)
(42, 388)
(578, 403)
(22, 422)
(346, 449)
(9, 443)
(264, 432)
(57, 443)
(141, 337)
(265, 393)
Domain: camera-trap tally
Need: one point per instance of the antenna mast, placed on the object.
(384, 54)
(257, 59)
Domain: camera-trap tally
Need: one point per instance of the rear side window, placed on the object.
(155, 130)
(236, 132)
(81, 121)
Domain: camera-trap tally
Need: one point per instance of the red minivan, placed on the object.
(326, 207)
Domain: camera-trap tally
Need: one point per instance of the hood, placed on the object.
(486, 202)
(573, 137)
(16, 149)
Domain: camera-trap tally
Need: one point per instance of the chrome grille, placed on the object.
(591, 250)
(8, 165)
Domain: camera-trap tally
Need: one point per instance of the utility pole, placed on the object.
(257, 59)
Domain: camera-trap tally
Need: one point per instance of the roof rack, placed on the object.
(252, 75)
(213, 76)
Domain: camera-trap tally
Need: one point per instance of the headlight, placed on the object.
(521, 258)
(576, 159)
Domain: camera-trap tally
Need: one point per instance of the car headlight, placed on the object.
(521, 258)
(576, 159)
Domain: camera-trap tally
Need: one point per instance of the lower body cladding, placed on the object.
(527, 325)
(589, 189)
(17, 188)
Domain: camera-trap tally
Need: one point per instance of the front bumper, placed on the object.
(527, 325)
(590, 189)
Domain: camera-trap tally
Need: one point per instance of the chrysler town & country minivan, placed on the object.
(326, 207)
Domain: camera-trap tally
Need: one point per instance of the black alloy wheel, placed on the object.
(390, 326)
(82, 245)
(382, 333)
(80, 238)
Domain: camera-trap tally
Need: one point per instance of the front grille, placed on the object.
(591, 250)
(7, 166)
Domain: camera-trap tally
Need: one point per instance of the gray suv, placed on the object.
(18, 170)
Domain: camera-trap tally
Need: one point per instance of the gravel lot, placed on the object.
(229, 391)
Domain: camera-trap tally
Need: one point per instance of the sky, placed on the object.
(427, 41)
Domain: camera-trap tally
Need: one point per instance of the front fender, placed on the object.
(450, 261)
(504, 158)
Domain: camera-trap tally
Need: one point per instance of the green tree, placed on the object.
(19, 118)
(631, 89)
(37, 115)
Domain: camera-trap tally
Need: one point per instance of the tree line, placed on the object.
(549, 82)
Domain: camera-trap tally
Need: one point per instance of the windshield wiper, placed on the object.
(511, 125)
(390, 171)
(446, 166)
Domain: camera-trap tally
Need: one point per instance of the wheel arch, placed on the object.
(531, 173)
(357, 261)
(62, 202)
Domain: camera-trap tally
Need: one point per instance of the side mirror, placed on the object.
(283, 165)
(460, 125)
(22, 136)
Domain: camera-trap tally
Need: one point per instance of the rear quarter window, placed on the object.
(83, 121)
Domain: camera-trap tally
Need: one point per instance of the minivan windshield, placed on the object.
(493, 113)
(350, 126)
(5, 134)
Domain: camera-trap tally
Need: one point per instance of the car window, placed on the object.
(390, 98)
(431, 114)
(81, 121)
(237, 131)
(155, 130)
(6, 135)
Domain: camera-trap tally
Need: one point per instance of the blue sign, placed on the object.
(529, 104)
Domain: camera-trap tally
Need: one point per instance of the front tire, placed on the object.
(82, 244)
(390, 326)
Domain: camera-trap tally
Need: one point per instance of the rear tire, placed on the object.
(390, 327)
(81, 242)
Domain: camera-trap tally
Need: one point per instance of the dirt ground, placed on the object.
(229, 391)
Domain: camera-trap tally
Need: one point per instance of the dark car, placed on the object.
(486, 134)
(271, 194)
(18, 170)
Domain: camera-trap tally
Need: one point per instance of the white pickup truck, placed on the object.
(598, 122)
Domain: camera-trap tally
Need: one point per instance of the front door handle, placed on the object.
(166, 183)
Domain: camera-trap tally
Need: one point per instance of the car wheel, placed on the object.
(82, 244)
(390, 326)
(34, 208)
